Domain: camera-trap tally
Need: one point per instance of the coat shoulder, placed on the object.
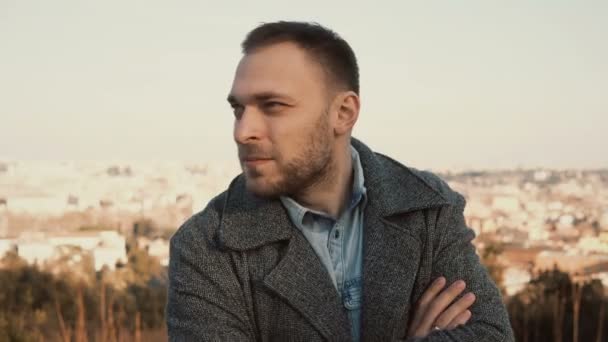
(201, 226)
(440, 185)
(433, 181)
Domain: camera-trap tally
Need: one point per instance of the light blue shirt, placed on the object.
(339, 243)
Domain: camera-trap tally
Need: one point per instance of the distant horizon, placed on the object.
(467, 85)
(234, 163)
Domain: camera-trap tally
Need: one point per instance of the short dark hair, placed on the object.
(327, 47)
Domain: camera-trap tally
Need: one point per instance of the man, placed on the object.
(321, 239)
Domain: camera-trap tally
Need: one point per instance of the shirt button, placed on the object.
(337, 234)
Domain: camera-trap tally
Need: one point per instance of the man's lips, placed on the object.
(255, 161)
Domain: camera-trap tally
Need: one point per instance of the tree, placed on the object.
(545, 309)
(490, 257)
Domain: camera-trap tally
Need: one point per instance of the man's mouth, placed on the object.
(254, 161)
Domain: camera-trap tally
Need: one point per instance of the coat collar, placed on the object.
(249, 221)
(392, 187)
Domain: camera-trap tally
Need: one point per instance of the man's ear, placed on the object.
(347, 112)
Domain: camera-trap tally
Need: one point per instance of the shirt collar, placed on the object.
(297, 212)
(359, 191)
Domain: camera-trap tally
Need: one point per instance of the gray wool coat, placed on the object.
(240, 270)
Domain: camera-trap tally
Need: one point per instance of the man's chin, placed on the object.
(263, 190)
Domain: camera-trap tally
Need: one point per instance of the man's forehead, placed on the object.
(280, 68)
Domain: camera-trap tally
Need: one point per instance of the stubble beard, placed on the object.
(312, 166)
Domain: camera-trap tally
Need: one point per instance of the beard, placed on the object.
(311, 165)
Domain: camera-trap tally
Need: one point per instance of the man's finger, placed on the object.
(440, 303)
(454, 310)
(461, 319)
(429, 294)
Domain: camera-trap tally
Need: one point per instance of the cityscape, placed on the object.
(87, 221)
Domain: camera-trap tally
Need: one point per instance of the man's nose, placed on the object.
(249, 126)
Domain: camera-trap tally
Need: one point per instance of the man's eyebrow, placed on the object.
(232, 99)
(271, 95)
(260, 97)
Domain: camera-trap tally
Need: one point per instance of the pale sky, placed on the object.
(483, 84)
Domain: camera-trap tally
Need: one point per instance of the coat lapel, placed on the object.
(304, 283)
(391, 251)
(299, 278)
(391, 258)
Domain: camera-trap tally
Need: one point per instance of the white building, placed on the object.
(86, 241)
(112, 238)
(35, 252)
(514, 279)
(603, 221)
(109, 256)
(3, 223)
(107, 247)
(6, 245)
(506, 203)
(590, 244)
(110, 250)
(159, 248)
(570, 261)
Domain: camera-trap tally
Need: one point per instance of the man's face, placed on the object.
(282, 126)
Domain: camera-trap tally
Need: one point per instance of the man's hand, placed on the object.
(433, 310)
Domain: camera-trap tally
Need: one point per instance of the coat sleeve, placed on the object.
(455, 258)
(204, 300)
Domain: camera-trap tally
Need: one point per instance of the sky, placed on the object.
(444, 84)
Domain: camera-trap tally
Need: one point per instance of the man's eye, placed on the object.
(237, 110)
(273, 105)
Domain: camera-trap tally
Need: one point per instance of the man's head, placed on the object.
(295, 100)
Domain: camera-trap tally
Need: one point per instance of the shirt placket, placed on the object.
(335, 246)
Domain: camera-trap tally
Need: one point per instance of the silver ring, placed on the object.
(436, 328)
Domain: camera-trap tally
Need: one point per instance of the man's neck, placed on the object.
(331, 195)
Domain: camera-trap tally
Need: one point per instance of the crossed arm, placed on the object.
(438, 308)
(478, 316)
(482, 309)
